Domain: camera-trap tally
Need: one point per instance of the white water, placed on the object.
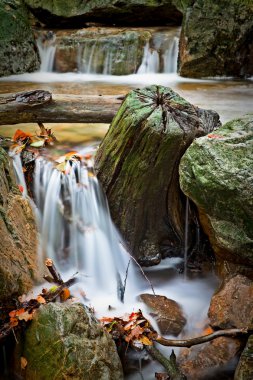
(47, 50)
(186, 233)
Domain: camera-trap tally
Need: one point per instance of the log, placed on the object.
(41, 106)
(137, 164)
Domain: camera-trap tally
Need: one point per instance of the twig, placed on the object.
(200, 339)
(53, 271)
(169, 364)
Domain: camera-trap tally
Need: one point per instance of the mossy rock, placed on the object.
(216, 173)
(137, 164)
(18, 51)
(65, 341)
(244, 370)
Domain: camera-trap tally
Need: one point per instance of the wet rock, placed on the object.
(216, 173)
(18, 51)
(137, 164)
(131, 12)
(167, 313)
(232, 306)
(210, 360)
(244, 370)
(216, 38)
(65, 341)
(18, 248)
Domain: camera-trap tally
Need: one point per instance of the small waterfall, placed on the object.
(150, 61)
(186, 235)
(76, 228)
(170, 57)
(18, 169)
(47, 47)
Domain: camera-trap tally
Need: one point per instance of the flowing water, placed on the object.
(73, 215)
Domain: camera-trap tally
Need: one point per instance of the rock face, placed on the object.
(216, 38)
(244, 370)
(232, 306)
(65, 341)
(18, 248)
(18, 51)
(211, 360)
(216, 173)
(167, 313)
(137, 164)
(138, 12)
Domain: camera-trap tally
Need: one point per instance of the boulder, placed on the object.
(76, 13)
(244, 370)
(211, 360)
(18, 51)
(65, 341)
(232, 306)
(216, 173)
(216, 38)
(167, 313)
(137, 164)
(18, 248)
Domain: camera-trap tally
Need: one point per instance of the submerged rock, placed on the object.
(18, 248)
(74, 12)
(244, 370)
(65, 341)
(211, 360)
(137, 164)
(216, 38)
(167, 313)
(18, 51)
(232, 305)
(216, 173)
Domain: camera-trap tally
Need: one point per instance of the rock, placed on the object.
(65, 341)
(132, 12)
(167, 313)
(18, 51)
(216, 38)
(232, 306)
(244, 370)
(216, 173)
(18, 248)
(137, 164)
(210, 360)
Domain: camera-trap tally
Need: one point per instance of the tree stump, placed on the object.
(137, 164)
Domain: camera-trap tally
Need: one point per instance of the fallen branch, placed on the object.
(200, 339)
(40, 106)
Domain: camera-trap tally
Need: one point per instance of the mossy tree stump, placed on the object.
(137, 164)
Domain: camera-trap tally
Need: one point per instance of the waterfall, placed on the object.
(186, 236)
(76, 228)
(46, 46)
(170, 57)
(150, 61)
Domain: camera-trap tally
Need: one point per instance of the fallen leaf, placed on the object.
(21, 188)
(213, 136)
(38, 144)
(41, 299)
(65, 294)
(21, 135)
(135, 333)
(23, 362)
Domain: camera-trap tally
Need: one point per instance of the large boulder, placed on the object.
(232, 306)
(18, 51)
(18, 248)
(216, 173)
(244, 370)
(65, 341)
(76, 12)
(216, 38)
(137, 164)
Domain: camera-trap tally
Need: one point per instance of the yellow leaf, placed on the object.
(145, 340)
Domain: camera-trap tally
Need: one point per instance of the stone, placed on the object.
(244, 370)
(216, 173)
(18, 248)
(210, 360)
(216, 38)
(232, 305)
(132, 12)
(18, 50)
(167, 313)
(65, 341)
(137, 165)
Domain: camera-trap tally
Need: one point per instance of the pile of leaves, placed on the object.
(133, 329)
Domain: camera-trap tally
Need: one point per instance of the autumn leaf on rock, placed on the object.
(21, 135)
(65, 294)
(23, 362)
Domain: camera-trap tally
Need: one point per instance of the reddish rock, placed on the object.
(232, 305)
(167, 313)
(199, 362)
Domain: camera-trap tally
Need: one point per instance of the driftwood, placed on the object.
(40, 106)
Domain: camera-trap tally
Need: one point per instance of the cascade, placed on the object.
(186, 236)
(46, 46)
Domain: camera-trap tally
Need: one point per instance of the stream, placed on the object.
(89, 242)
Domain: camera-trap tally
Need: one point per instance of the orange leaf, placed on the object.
(41, 299)
(65, 294)
(213, 136)
(21, 135)
(13, 322)
(208, 331)
(88, 156)
(135, 333)
(23, 362)
(21, 188)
